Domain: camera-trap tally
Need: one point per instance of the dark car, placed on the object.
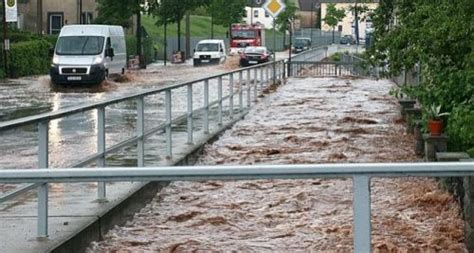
(254, 55)
(348, 39)
(301, 44)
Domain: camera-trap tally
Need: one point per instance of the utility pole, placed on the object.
(311, 25)
(356, 23)
(6, 41)
(39, 17)
(290, 24)
(251, 12)
(139, 39)
(81, 21)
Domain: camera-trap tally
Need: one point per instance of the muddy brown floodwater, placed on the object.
(306, 121)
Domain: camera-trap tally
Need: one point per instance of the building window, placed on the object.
(86, 18)
(255, 13)
(55, 22)
(339, 28)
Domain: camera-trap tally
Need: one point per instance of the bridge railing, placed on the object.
(243, 87)
(361, 175)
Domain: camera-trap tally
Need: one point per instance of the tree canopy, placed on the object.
(333, 15)
(436, 38)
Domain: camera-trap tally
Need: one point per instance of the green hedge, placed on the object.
(29, 58)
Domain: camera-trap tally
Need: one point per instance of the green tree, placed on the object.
(437, 39)
(226, 12)
(283, 21)
(333, 17)
(172, 11)
(117, 12)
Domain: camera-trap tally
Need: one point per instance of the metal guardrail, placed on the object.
(360, 173)
(256, 78)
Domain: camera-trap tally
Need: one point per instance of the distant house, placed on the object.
(254, 13)
(55, 14)
(347, 25)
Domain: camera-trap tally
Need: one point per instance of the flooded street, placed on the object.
(311, 120)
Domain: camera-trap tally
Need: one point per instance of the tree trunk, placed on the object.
(188, 36)
(333, 28)
(178, 22)
(139, 40)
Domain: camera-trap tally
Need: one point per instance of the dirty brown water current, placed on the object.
(308, 120)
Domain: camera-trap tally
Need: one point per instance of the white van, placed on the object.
(209, 51)
(88, 54)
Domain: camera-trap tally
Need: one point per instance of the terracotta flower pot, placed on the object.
(435, 127)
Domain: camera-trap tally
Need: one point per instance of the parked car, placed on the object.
(254, 55)
(88, 54)
(347, 39)
(301, 44)
(209, 52)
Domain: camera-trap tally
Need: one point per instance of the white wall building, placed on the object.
(258, 15)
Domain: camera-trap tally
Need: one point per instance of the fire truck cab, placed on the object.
(243, 35)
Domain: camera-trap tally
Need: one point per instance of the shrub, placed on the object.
(29, 58)
(461, 127)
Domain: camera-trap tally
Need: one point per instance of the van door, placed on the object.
(108, 61)
(222, 52)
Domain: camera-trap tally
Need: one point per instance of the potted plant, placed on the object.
(435, 124)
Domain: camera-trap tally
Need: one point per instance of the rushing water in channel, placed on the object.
(308, 120)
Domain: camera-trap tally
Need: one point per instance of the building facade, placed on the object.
(55, 14)
(254, 13)
(347, 25)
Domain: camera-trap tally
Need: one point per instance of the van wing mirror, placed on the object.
(109, 52)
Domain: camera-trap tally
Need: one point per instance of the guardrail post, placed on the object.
(43, 162)
(241, 91)
(248, 88)
(140, 132)
(190, 114)
(231, 91)
(101, 187)
(219, 95)
(255, 83)
(266, 74)
(206, 106)
(261, 78)
(361, 209)
(169, 144)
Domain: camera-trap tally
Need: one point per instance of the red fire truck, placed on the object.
(243, 35)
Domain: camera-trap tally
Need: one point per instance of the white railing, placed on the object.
(360, 174)
(243, 87)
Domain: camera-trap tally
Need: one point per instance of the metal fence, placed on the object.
(237, 91)
(309, 63)
(361, 175)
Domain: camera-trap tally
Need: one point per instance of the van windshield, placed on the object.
(80, 45)
(207, 47)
